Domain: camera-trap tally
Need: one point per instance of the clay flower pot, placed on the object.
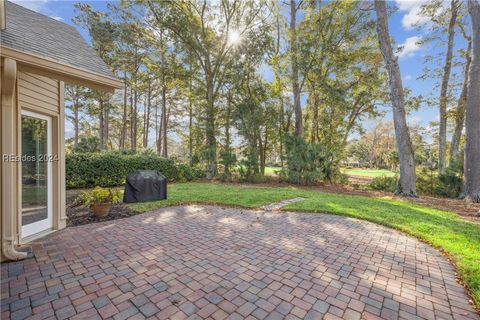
(101, 209)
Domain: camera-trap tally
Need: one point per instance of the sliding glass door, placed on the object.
(36, 173)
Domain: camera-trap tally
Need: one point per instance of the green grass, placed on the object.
(210, 193)
(368, 172)
(457, 237)
(269, 171)
(272, 170)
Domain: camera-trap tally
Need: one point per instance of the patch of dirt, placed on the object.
(360, 180)
(467, 210)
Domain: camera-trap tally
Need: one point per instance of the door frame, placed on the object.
(46, 224)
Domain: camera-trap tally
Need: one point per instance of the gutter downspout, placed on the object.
(9, 196)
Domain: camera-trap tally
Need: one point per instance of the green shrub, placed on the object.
(228, 159)
(448, 184)
(185, 173)
(384, 183)
(89, 144)
(86, 170)
(309, 163)
(249, 168)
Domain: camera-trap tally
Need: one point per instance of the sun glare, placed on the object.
(233, 37)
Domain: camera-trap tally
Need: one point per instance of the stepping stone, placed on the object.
(278, 205)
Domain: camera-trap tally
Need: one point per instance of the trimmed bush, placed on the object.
(86, 170)
(384, 183)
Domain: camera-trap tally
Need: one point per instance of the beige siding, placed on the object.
(38, 93)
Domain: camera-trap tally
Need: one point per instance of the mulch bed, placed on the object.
(77, 216)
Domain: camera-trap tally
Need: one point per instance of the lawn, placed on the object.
(272, 170)
(445, 230)
(269, 171)
(372, 173)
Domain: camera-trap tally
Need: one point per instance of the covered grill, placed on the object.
(145, 185)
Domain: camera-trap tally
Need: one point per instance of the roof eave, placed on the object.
(61, 71)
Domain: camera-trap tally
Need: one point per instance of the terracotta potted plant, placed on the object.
(101, 209)
(100, 200)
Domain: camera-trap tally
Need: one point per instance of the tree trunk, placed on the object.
(146, 121)
(123, 136)
(156, 123)
(315, 128)
(407, 182)
(159, 136)
(76, 116)
(281, 129)
(261, 153)
(164, 122)
(294, 65)
(131, 116)
(190, 136)
(471, 187)
(106, 127)
(190, 118)
(442, 143)
(264, 152)
(227, 133)
(101, 121)
(144, 124)
(210, 130)
(134, 120)
(460, 112)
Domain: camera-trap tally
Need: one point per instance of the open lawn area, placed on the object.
(269, 171)
(458, 238)
(272, 170)
(372, 173)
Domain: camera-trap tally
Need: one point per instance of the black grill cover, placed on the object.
(145, 185)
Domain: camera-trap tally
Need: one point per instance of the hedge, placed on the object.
(86, 170)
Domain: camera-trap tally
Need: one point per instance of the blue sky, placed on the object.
(401, 29)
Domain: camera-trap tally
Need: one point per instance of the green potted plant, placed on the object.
(100, 200)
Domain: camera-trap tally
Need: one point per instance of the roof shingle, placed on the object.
(31, 32)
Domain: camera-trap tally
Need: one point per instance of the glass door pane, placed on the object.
(35, 174)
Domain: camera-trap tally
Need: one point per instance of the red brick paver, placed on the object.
(210, 262)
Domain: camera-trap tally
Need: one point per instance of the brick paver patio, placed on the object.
(208, 262)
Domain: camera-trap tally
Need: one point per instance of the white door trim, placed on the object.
(46, 224)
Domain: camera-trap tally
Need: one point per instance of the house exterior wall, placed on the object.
(44, 95)
(39, 94)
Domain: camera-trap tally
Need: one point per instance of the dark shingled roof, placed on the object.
(31, 32)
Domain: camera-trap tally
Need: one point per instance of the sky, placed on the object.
(402, 29)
